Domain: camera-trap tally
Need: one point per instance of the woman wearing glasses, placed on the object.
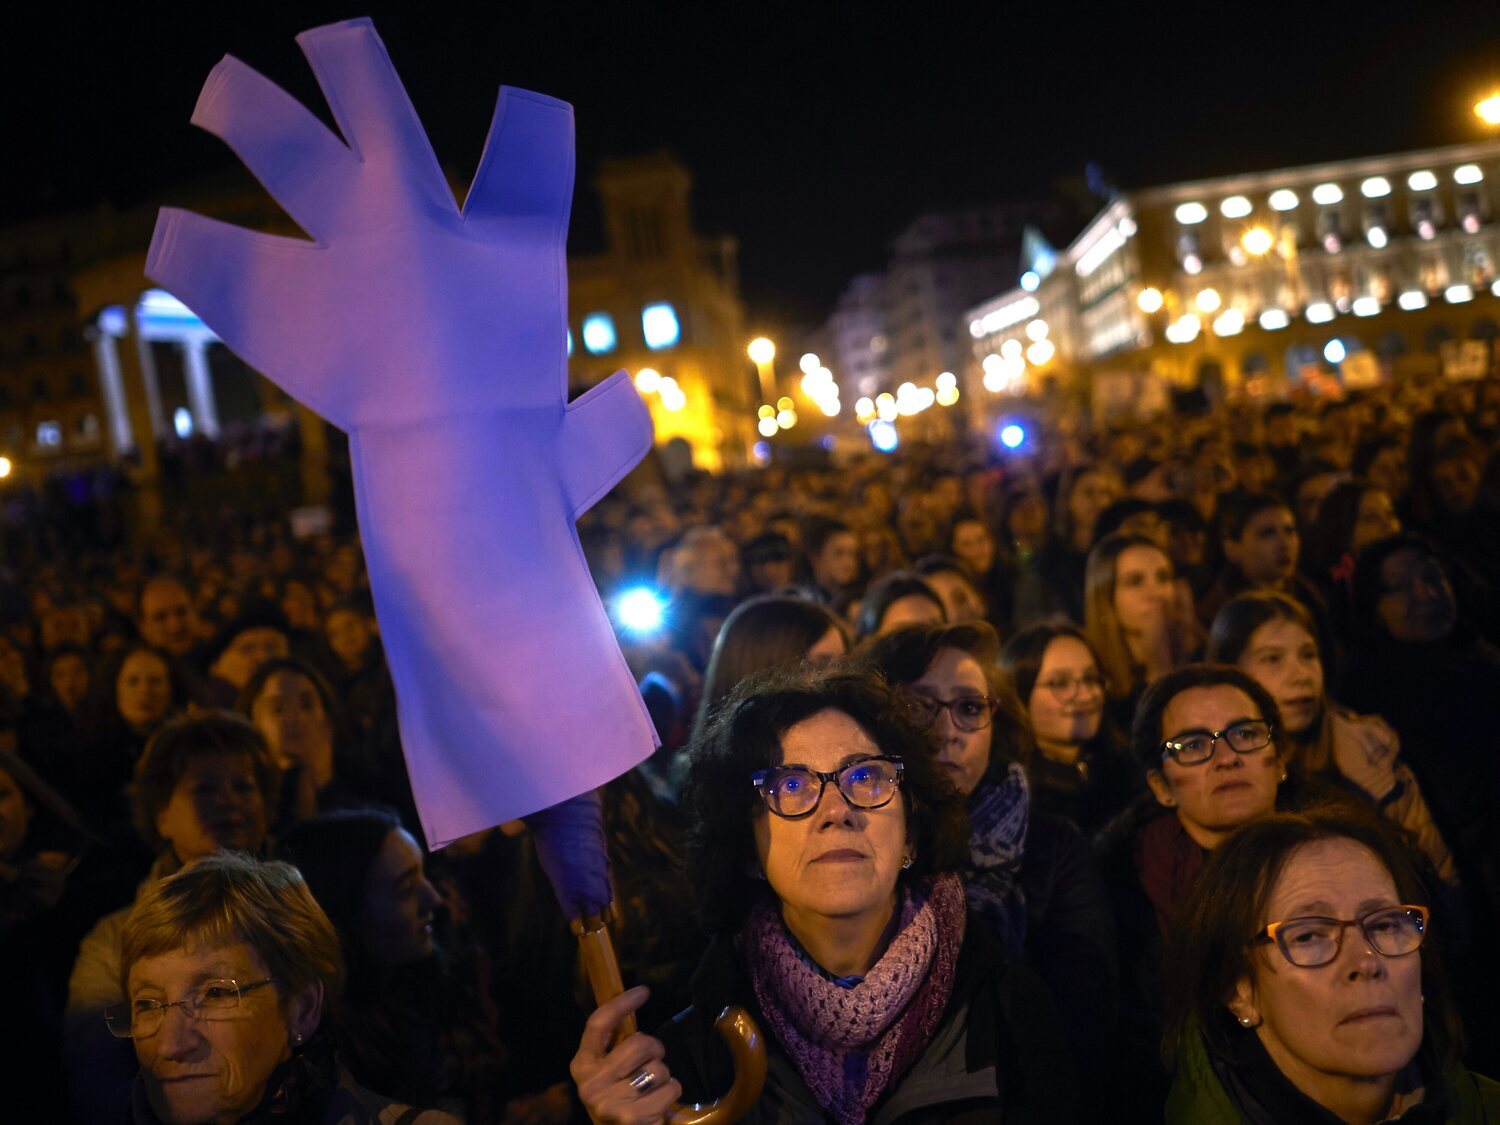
(1030, 874)
(228, 966)
(1206, 737)
(1304, 988)
(1079, 772)
(823, 844)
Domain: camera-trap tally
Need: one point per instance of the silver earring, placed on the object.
(1283, 775)
(296, 1040)
(906, 863)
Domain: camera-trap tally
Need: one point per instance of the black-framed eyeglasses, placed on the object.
(211, 1000)
(968, 712)
(1392, 931)
(793, 791)
(1065, 689)
(1194, 747)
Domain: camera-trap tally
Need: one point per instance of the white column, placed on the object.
(200, 388)
(112, 384)
(153, 388)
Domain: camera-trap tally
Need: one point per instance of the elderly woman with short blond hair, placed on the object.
(226, 968)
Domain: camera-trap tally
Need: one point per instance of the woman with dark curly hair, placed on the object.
(1304, 987)
(823, 844)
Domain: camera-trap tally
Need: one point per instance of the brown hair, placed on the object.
(1101, 622)
(182, 740)
(230, 897)
(1209, 948)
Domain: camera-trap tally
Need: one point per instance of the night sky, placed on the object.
(815, 131)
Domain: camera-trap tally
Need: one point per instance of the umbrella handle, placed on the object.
(747, 1047)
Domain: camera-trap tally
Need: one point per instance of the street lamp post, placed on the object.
(762, 353)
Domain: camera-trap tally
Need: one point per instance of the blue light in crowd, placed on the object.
(599, 333)
(659, 326)
(640, 611)
(883, 435)
(1030, 280)
(182, 422)
(1012, 436)
(570, 341)
(1334, 351)
(762, 452)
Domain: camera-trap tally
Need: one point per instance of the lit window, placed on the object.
(659, 326)
(1235, 207)
(1283, 200)
(1375, 187)
(1421, 181)
(48, 434)
(1272, 319)
(599, 333)
(1366, 306)
(1325, 195)
(1467, 174)
(1189, 214)
(1320, 312)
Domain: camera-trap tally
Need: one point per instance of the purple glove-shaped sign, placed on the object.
(436, 338)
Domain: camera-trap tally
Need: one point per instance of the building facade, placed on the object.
(95, 364)
(1341, 273)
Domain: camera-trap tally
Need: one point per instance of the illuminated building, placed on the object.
(663, 298)
(92, 358)
(1242, 282)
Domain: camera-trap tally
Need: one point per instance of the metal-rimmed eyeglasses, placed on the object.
(793, 791)
(1392, 931)
(968, 712)
(1194, 747)
(1065, 689)
(211, 1000)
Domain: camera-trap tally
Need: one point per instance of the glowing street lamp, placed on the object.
(1257, 241)
(1488, 109)
(762, 353)
(1150, 300)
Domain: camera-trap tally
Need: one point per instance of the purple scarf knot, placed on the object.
(849, 1044)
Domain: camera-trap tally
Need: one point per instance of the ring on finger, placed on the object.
(643, 1082)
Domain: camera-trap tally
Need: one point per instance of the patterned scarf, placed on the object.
(850, 1044)
(999, 812)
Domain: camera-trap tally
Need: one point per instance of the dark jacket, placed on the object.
(998, 1054)
(1251, 1091)
(1070, 938)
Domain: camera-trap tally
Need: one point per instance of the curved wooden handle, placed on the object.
(746, 1045)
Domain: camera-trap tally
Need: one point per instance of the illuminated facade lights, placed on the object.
(1458, 294)
(1412, 300)
(1422, 181)
(1235, 207)
(1273, 320)
(1283, 199)
(1319, 312)
(1366, 306)
(1191, 214)
(1326, 195)
(1231, 322)
(1150, 300)
(1376, 187)
(1467, 174)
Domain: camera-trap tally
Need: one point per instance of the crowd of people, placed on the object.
(1159, 778)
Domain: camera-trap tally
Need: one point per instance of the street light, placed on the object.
(1257, 241)
(1488, 109)
(762, 353)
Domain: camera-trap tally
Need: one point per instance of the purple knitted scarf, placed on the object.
(850, 1044)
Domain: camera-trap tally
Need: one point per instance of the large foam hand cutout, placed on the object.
(436, 338)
